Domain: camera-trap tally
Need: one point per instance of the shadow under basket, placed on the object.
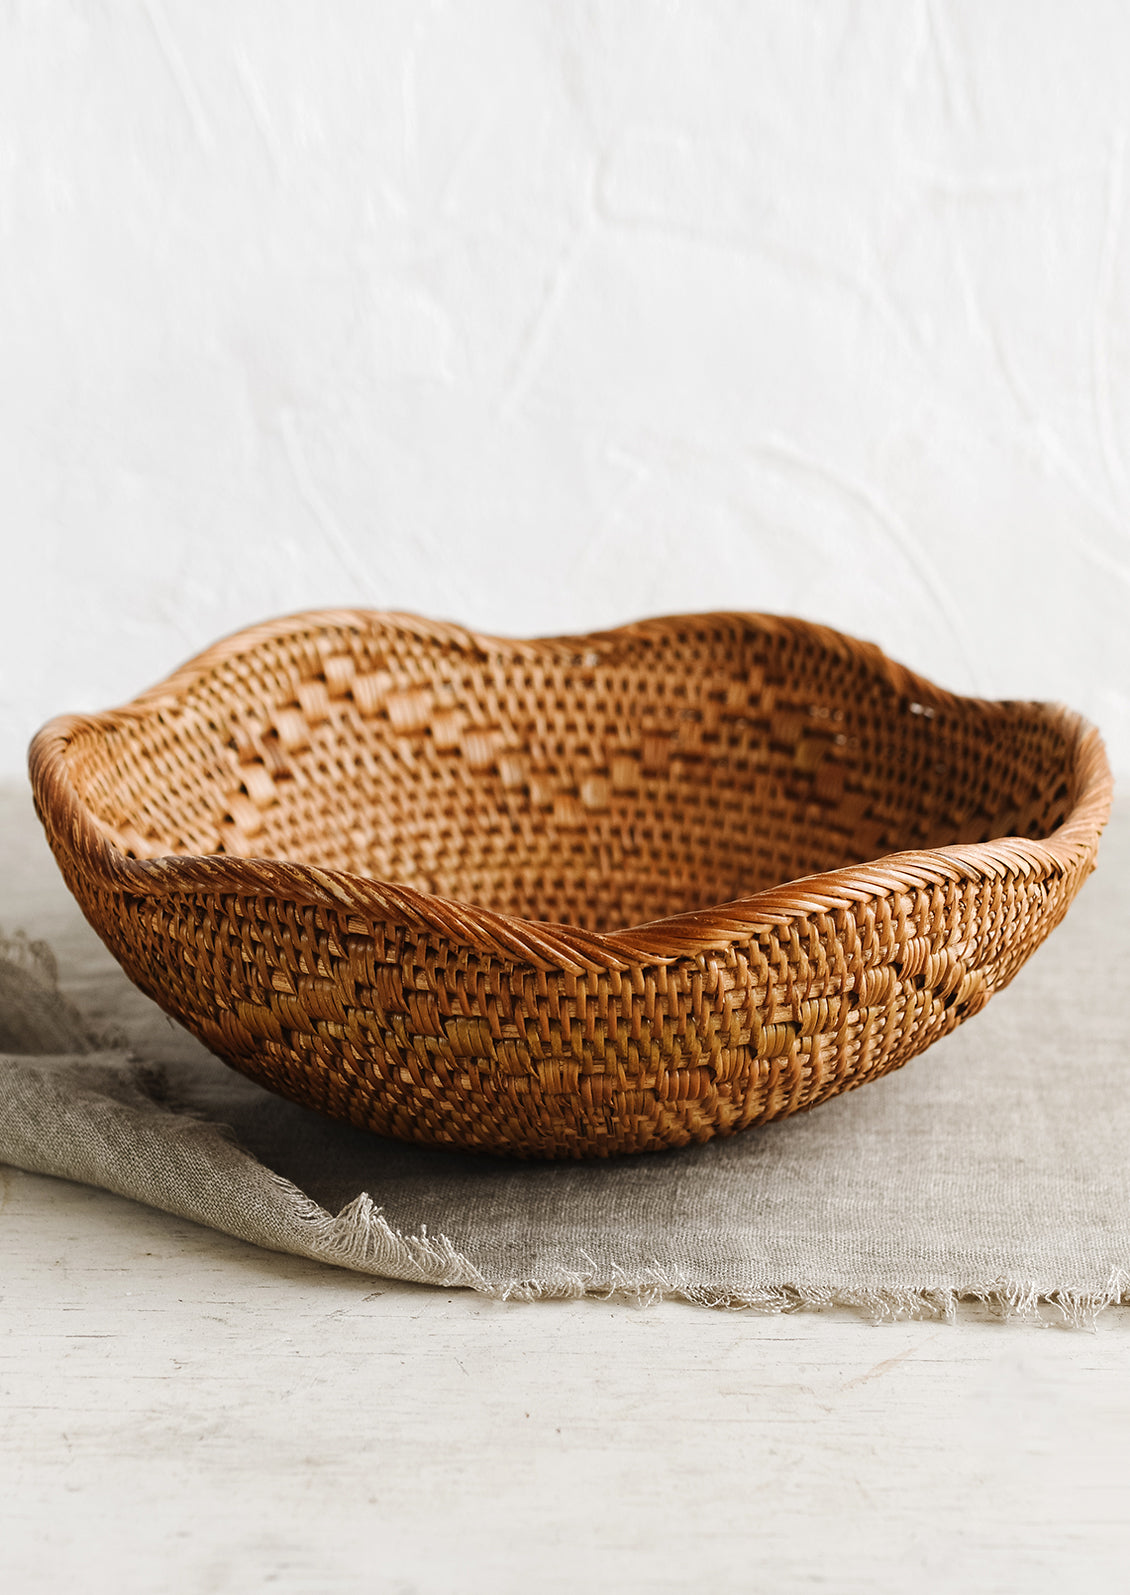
(526, 897)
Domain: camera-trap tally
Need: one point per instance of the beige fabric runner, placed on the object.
(996, 1166)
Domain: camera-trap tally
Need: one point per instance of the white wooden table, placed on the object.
(182, 1412)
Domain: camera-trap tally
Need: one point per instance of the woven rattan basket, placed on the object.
(462, 890)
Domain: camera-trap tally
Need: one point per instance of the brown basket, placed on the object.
(383, 866)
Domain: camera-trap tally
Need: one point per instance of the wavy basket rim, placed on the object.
(550, 945)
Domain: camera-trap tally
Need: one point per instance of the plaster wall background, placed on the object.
(544, 316)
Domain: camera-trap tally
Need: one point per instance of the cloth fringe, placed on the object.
(361, 1239)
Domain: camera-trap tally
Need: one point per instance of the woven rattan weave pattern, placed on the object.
(458, 889)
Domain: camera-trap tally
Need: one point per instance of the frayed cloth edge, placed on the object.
(360, 1238)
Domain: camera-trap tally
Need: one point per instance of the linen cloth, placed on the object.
(993, 1166)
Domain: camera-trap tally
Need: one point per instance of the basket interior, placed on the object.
(602, 782)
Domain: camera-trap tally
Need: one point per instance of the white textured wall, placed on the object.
(546, 315)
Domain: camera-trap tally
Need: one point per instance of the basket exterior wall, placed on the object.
(400, 1033)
